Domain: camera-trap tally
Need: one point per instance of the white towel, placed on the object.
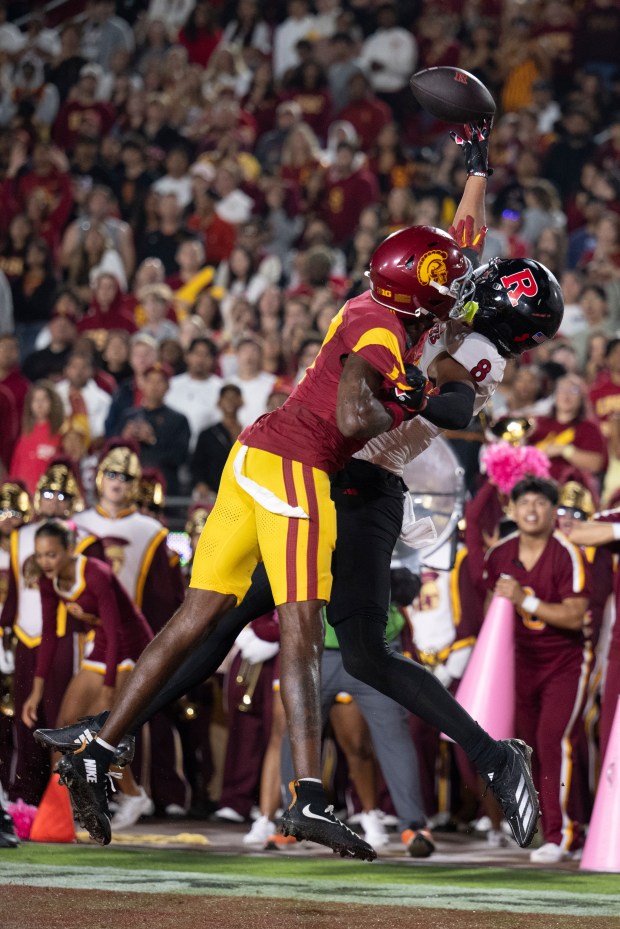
(262, 495)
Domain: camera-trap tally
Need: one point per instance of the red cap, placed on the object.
(161, 368)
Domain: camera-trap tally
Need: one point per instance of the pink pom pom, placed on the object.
(23, 816)
(506, 465)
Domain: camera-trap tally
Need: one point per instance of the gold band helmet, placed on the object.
(150, 489)
(120, 459)
(574, 496)
(197, 517)
(15, 501)
(60, 478)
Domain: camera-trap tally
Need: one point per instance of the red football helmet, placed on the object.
(421, 269)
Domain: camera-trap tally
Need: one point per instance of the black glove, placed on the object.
(414, 399)
(475, 145)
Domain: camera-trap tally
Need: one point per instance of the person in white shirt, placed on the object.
(173, 13)
(389, 55)
(234, 205)
(196, 393)
(299, 24)
(254, 383)
(176, 180)
(80, 394)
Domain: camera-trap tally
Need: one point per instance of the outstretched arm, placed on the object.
(469, 224)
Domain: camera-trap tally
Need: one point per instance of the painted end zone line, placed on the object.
(239, 885)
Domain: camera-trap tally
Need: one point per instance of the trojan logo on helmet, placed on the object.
(419, 270)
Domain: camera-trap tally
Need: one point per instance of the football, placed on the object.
(452, 94)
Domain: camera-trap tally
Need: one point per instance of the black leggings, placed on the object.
(369, 507)
(369, 524)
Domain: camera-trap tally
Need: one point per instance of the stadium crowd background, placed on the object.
(190, 191)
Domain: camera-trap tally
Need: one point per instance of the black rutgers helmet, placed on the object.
(520, 304)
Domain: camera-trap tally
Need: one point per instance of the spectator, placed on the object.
(595, 311)
(177, 179)
(215, 443)
(100, 210)
(115, 356)
(142, 355)
(156, 300)
(107, 309)
(218, 234)
(40, 438)
(82, 397)
(29, 89)
(249, 32)
(84, 113)
(299, 24)
(33, 293)
(173, 13)
(605, 392)
(341, 68)
(200, 35)
(389, 55)
(238, 277)
(567, 436)
(6, 304)
(307, 86)
(348, 189)
(11, 378)
(64, 70)
(49, 363)
(133, 181)
(40, 187)
(164, 241)
(365, 111)
(254, 383)
(195, 393)
(574, 147)
(104, 33)
(162, 433)
(234, 205)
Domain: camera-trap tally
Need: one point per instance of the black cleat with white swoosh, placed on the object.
(89, 783)
(514, 789)
(310, 817)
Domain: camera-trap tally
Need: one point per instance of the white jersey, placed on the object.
(392, 450)
(129, 542)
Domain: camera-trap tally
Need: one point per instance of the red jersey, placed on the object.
(605, 397)
(582, 433)
(304, 429)
(560, 572)
(97, 599)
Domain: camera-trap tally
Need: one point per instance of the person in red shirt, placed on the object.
(218, 235)
(40, 439)
(567, 436)
(44, 176)
(83, 113)
(11, 377)
(365, 111)
(200, 34)
(546, 577)
(108, 309)
(348, 189)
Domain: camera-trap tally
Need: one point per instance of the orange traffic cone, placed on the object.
(487, 688)
(602, 849)
(54, 819)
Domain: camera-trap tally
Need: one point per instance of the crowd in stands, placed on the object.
(190, 190)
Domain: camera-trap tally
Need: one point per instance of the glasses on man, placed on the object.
(118, 476)
(11, 514)
(56, 495)
(574, 514)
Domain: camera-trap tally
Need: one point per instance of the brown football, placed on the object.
(452, 94)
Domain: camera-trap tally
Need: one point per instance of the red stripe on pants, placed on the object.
(292, 533)
(313, 534)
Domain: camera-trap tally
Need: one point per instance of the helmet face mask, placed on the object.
(122, 460)
(420, 270)
(517, 304)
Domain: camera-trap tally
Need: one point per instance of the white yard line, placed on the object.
(238, 885)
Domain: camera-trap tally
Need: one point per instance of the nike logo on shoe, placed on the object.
(308, 812)
(90, 766)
